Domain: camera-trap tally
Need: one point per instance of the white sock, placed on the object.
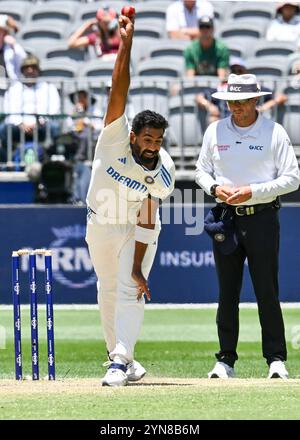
(119, 360)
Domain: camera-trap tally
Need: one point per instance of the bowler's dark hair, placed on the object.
(148, 118)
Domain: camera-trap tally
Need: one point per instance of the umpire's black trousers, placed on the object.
(258, 237)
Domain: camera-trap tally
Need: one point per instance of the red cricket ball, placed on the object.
(128, 11)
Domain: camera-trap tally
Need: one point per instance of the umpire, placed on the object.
(246, 162)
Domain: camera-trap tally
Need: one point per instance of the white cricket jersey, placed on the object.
(179, 16)
(118, 183)
(262, 157)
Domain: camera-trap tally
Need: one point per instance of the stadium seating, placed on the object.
(141, 47)
(271, 82)
(275, 66)
(240, 29)
(238, 48)
(151, 30)
(291, 85)
(157, 64)
(60, 50)
(16, 9)
(257, 10)
(185, 127)
(167, 47)
(221, 9)
(89, 10)
(291, 60)
(39, 47)
(59, 68)
(97, 68)
(54, 29)
(152, 95)
(161, 66)
(273, 48)
(151, 14)
(291, 118)
(197, 84)
(41, 12)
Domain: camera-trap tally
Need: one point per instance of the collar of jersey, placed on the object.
(253, 132)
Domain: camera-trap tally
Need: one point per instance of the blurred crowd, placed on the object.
(30, 100)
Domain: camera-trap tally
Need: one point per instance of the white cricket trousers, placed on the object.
(111, 249)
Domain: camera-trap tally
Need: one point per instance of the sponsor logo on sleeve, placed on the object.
(223, 147)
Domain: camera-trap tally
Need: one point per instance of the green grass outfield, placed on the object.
(176, 347)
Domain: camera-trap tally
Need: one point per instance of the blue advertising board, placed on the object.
(183, 271)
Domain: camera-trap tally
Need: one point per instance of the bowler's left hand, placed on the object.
(240, 195)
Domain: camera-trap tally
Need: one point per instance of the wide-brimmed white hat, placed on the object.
(241, 87)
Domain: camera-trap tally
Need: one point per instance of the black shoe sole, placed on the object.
(275, 376)
(214, 376)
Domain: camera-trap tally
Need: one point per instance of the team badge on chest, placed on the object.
(149, 180)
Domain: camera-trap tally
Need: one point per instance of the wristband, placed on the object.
(145, 235)
(213, 190)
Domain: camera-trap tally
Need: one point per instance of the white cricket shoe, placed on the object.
(221, 371)
(277, 370)
(135, 371)
(115, 376)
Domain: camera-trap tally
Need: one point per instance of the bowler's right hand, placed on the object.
(126, 26)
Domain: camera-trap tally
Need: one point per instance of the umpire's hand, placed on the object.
(223, 192)
(240, 195)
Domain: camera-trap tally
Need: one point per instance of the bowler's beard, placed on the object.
(142, 158)
(149, 159)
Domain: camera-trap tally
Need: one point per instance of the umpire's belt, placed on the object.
(243, 210)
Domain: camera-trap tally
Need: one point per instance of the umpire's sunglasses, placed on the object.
(240, 101)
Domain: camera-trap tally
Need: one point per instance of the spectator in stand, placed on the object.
(104, 36)
(207, 55)
(11, 53)
(84, 126)
(286, 25)
(85, 113)
(295, 73)
(218, 109)
(182, 18)
(28, 105)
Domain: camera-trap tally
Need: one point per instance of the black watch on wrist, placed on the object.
(213, 190)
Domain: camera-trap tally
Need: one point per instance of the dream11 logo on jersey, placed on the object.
(71, 263)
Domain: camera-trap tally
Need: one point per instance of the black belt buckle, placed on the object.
(244, 210)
